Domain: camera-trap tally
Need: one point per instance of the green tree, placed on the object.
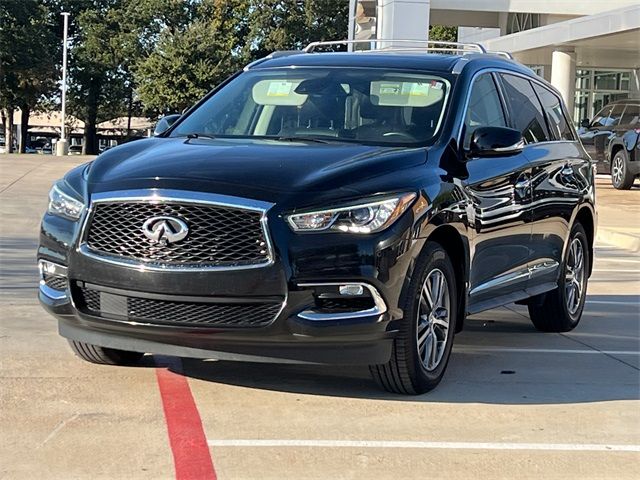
(28, 52)
(443, 33)
(186, 63)
(225, 35)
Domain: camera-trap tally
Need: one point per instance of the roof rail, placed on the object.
(412, 45)
(502, 54)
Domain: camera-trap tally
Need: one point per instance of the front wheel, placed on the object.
(621, 178)
(422, 348)
(560, 310)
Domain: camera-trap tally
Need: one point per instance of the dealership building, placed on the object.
(588, 49)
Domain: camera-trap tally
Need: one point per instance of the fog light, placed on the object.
(352, 289)
(52, 275)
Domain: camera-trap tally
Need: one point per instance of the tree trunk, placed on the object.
(90, 146)
(8, 130)
(25, 111)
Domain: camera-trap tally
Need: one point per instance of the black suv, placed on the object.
(344, 208)
(612, 139)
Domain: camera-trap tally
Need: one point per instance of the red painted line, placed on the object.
(191, 455)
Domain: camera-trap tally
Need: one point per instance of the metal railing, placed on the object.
(409, 45)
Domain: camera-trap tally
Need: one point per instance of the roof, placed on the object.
(397, 59)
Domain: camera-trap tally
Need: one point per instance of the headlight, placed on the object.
(64, 205)
(369, 217)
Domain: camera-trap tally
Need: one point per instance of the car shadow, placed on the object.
(492, 376)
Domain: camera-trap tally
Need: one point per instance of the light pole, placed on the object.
(62, 147)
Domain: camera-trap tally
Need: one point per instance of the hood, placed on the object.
(266, 170)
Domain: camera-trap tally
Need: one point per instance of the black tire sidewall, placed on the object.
(433, 257)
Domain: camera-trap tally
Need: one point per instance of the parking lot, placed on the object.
(515, 403)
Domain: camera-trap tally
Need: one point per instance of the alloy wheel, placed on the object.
(617, 170)
(574, 276)
(432, 328)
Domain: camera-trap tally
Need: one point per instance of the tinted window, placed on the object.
(631, 115)
(485, 109)
(558, 124)
(603, 118)
(524, 107)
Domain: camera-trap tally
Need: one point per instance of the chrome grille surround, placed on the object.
(176, 198)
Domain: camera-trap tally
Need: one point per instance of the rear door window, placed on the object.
(484, 109)
(631, 116)
(525, 109)
(558, 124)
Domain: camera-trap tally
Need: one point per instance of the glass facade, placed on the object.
(597, 88)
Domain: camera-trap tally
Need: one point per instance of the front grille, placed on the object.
(145, 310)
(219, 236)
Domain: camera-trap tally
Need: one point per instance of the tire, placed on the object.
(621, 178)
(560, 310)
(104, 356)
(406, 372)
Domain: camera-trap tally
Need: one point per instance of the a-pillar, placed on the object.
(403, 20)
(563, 76)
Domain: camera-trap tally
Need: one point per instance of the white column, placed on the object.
(563, 76)
(403, 20)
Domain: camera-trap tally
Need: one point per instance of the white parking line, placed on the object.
(616, 260)
(575, 447)
(476, 348)
(616, 270)
(613, 302)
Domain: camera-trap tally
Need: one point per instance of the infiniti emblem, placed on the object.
(165, 230)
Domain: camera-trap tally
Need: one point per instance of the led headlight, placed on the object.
(367, 217)
(64, 205)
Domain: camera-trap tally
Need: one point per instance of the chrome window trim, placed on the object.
(158, 195)
(379, 308)
(517, 74)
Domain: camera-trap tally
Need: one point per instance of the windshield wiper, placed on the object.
(308, 139)
(199, 135)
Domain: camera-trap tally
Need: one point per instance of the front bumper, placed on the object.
(289, 338)
(303, 265)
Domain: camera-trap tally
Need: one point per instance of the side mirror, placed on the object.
(165, 123)
(495, 141)
(585, 123)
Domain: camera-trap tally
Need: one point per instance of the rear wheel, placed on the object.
(104, 356)
(561, 309)
(422, 348)
(621, 178)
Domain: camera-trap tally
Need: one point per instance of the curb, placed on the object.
(617, 239)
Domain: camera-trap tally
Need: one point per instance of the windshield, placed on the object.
(360, 105)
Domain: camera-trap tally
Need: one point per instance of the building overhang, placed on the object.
(607, 39)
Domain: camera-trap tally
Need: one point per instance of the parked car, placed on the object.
(611, 139)
(75, 149)
(340, 208)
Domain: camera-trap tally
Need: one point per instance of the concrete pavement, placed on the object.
(515, 403)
